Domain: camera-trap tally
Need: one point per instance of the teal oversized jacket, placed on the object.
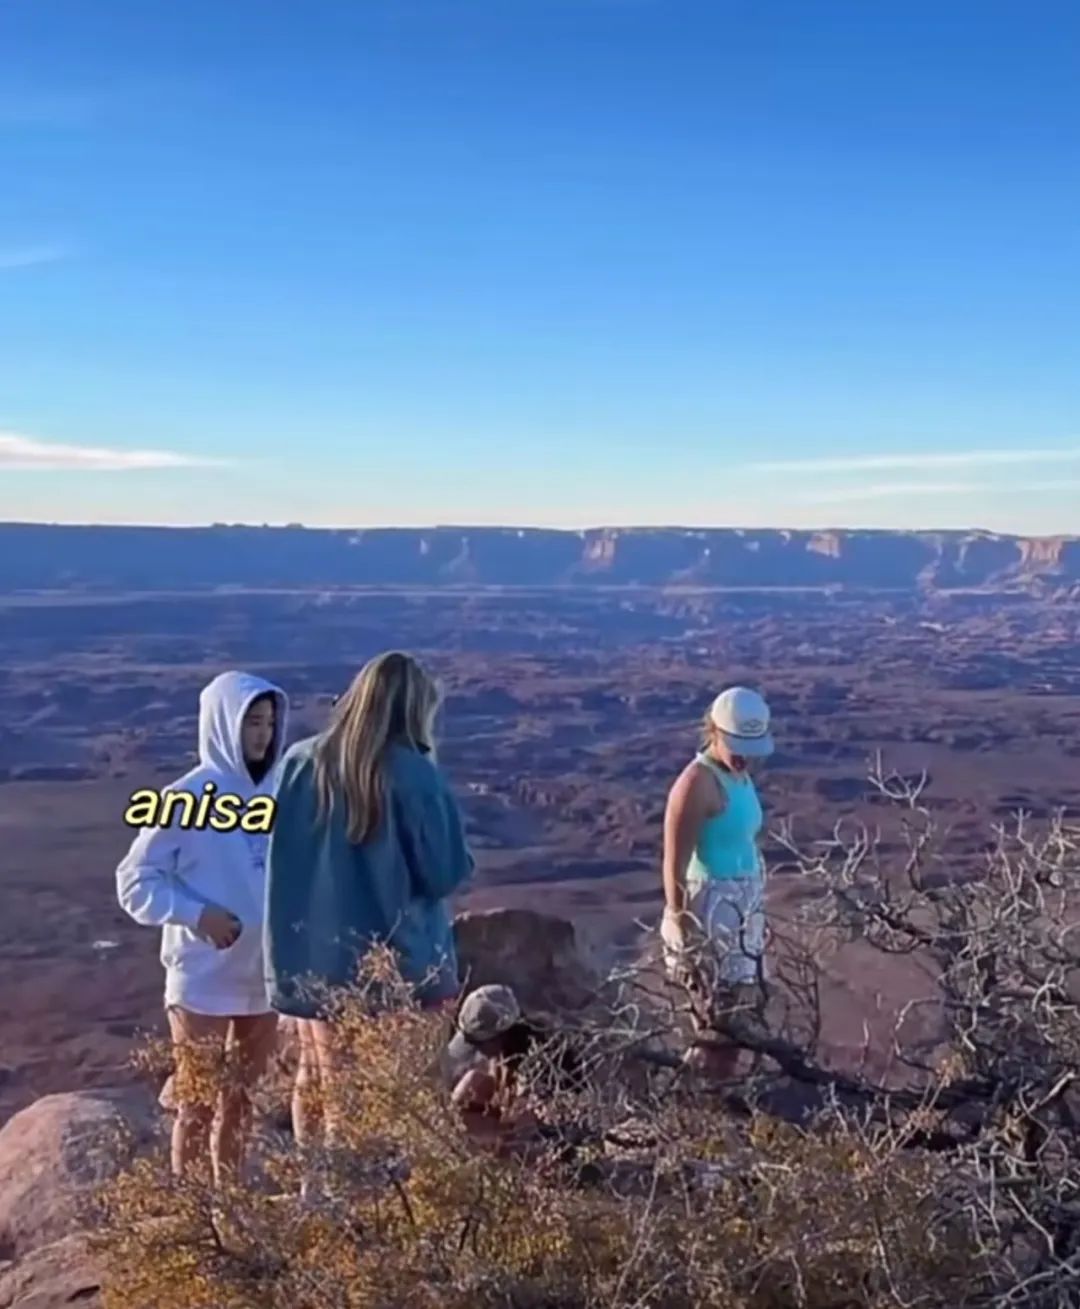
(329, 900)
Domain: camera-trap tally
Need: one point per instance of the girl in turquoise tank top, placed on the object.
(714, 876)
(726, 847)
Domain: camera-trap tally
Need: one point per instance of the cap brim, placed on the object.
(750, 747)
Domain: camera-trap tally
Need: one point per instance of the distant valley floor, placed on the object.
(567, 716)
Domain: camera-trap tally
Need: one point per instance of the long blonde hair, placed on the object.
(391, 699)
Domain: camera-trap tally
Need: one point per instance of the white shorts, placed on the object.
(729, 917)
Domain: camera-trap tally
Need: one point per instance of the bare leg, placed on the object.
(316, 1104)
(252, 1040)
(713, 1053)
(306, 1107)
(199, 1047)
(328, 1062)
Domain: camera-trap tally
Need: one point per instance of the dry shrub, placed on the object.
(953, 1181)
(408, 1210)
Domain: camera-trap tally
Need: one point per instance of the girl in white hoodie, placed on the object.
(206, 888)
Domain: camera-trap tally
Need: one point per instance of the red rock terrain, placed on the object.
(569, 712)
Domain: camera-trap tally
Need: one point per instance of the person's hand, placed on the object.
(678, 929)
(476, 1093)
(221, 928)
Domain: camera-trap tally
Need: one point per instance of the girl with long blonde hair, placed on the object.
(368, 846)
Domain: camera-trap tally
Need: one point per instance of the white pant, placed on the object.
(727, 931)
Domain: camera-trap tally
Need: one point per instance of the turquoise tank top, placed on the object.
(727, 846)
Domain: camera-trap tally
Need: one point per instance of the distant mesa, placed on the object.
(59, 557)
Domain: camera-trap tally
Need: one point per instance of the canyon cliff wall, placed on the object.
(36, 556)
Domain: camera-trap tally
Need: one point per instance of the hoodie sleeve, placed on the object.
(432, 837)
(146, 885)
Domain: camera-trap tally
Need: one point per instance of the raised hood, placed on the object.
(222, 706)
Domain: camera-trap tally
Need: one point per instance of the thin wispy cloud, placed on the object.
(928, 461)
(32, 256)
(20, 453)
(883, 491)
(903, 490)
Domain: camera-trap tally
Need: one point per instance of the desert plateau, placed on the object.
(572, 700)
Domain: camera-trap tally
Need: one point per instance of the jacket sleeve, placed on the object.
(146, 883)
(432, 837)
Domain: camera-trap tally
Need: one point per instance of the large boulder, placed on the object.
(64, 1273)
(550, 964)
(55, 1153)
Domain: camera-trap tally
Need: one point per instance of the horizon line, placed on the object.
(532, 528)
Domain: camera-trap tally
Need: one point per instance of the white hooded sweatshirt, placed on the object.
(171, 874)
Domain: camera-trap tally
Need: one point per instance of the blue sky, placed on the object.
(563, 262)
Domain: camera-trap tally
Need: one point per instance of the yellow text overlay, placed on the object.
(189, 810)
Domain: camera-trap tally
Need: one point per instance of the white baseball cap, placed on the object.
(741, 716)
